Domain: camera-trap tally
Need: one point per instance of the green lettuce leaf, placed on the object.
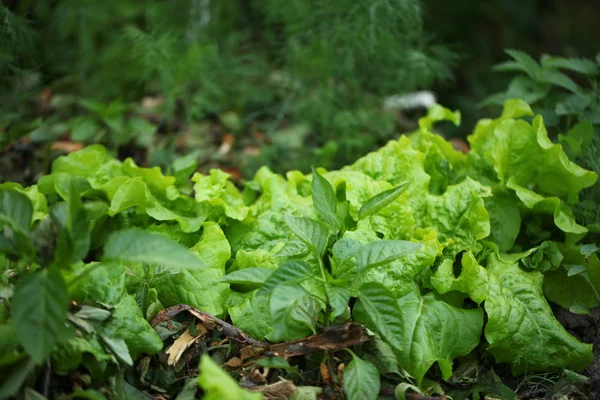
(220, 194)
(128, 323)
(473, 279)
(250, 313)
(521, 329)
(200, 288)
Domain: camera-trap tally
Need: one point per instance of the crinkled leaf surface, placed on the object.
(128, 323)
(521, 328)
(473, 279)
(198, 287)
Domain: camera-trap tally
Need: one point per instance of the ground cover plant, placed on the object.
(417, 270)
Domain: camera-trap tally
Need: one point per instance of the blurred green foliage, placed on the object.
(309, 74)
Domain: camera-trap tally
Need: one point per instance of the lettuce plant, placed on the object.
(440, 254)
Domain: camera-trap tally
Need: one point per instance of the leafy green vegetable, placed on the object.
(379, 201)
(521, 328)
(425, 331)
(361, 379)
(40, 311)
(136, 245)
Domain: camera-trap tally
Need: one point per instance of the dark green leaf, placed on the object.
(580, 65)
(313, 233)
(289, 271)
(382, 309)
(136, 245)
(274, 362)
(361, 380)
(72, 220)
(248, 276)
(16, 210)
(559, 79)
(379, 201)
(523, 61)
(293, 312)
(11, 382)
(325, 201)
(384, 251)
(39, 312)
(118, 348)
(339, 296)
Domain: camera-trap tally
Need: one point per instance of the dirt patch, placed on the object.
(586, 329)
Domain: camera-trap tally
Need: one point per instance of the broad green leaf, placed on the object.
(293, 313)
(103, 282)
(377, 202)
(577, 139)
(521, 328)
(559, 79)
(378, 309)
(73, 225)
(361, 380)
(559, 284)
(253, 277)
(216, 384)
(39, 312)
(83, 128)
(384, 251)
(505, 220)
(425, 331)
(250, 313)
(339, 296)
(201, 289)
(289, 271)
(136, 245)
(473, 279)
(118, 348)
(16, 210)
(128, 323)
(325, 201)
(313, 233)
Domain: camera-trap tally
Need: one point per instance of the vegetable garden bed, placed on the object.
(416, 271)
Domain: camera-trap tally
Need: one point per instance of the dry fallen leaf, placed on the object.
(281, 390)
(182, 343)
(67, 146)
(234, 363)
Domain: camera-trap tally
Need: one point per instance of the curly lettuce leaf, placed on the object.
(521, 329)
(473, 279)
(220, 194)
(200, 288)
